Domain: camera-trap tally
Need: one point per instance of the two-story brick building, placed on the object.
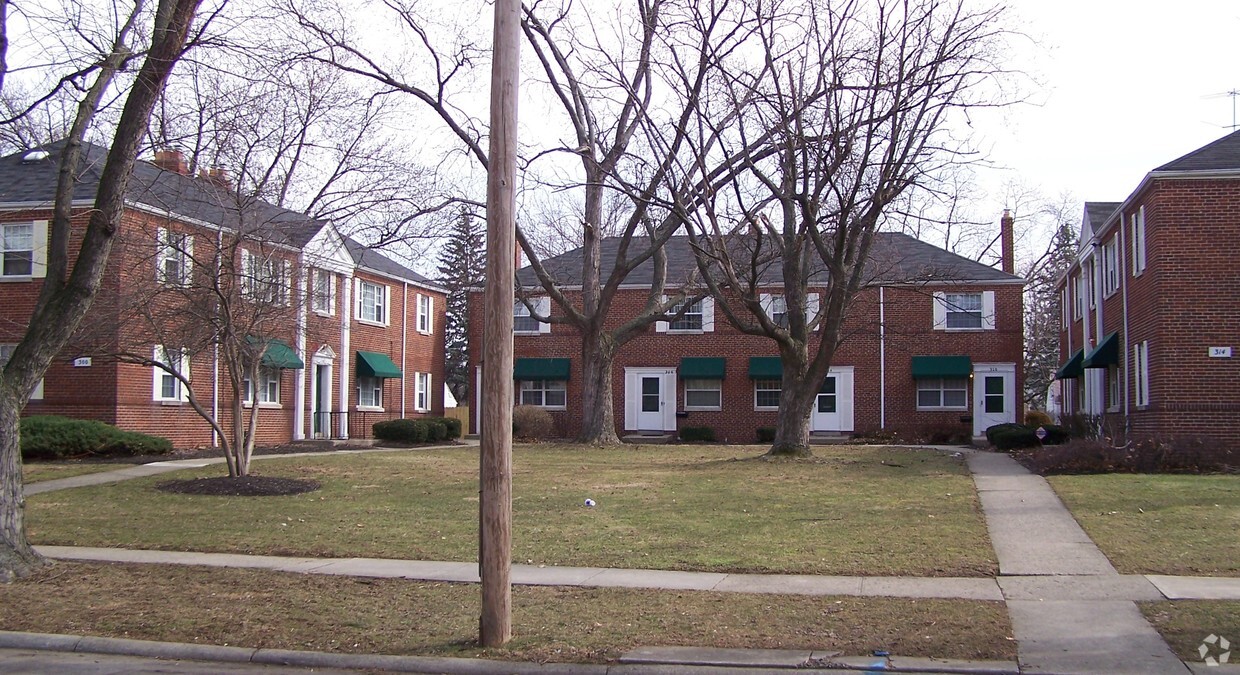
(355, 337)
(1151, 306)
(934, 345)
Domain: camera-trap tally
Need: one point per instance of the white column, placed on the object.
(299, 382)
(346, 317)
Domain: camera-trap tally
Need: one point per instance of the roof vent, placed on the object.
(36, 155)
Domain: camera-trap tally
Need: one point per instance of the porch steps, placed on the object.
(828, 438)
(648, 439)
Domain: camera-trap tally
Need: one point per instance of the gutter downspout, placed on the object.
(404, 332)
(346, 312)
(1122, 254)
(299, 382)
(882, 360)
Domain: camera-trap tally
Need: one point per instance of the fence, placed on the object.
(360, 423)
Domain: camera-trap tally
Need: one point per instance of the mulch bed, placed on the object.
(247, 486)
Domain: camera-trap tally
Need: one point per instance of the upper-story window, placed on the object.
(323, 292)
(1138, 242)
(1110, 267)
(426, 307)
(690, 320)
(523, 321)
(174, 260)
(372, 302)
(778, 310)
(264, 279)
(699, 317)
(964, 311)
(17, 249)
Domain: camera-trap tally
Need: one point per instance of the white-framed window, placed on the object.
(1091, 268)
(17, 249)
(174, 259)
(943, 394)
(167, 386)
(964, 311)
(698, 318)
(426, 316)
(323, 292)
(422, 391)
(264, 279)
(369, 392)
(6, 353)
(777, 309)
(1141, 373)
(766, 394)
(1078, 297)
(372, 302)
(523, 321)
(1063, 305)
(1113, 388)
(704, 394)
(544, 393)
(268, 387)
(1138, 241)
(1110, 267)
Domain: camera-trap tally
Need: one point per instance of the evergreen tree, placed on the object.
(462, 265)
(1043, 314)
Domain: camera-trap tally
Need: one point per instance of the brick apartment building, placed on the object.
(920, 355)
(354, 337)
(1151, 307)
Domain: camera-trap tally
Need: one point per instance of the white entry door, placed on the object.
(994, 395)
(833, 408)
(650, 405)
(649, 399)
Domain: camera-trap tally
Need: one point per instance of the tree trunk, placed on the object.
(598, 419)
(17, 558)
(796, 400)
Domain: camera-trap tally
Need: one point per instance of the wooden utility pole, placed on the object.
(495, 500)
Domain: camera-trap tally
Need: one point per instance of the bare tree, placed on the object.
(72, 281)
(1043, 304)
(859, 101)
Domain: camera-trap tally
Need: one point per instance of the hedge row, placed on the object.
(55, 437)
(1012, 436)
(420, 430)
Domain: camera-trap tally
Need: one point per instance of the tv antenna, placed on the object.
(1234, 94)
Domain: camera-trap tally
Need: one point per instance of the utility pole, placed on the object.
(495, 448)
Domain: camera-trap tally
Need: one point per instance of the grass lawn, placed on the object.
(854, 510)
(254, 608)
(32, 473)
(1184, 624)
(1159, 524)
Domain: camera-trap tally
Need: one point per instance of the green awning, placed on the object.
(540, 369)
(702, 368)
(766, 368)
(1071, 369)
(374, 364)
(278, 354)
(1106, 354)
(941, 366)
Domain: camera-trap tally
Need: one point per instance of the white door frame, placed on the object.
(633, 397)
(982, 420)
(842, 418)
(326, 357)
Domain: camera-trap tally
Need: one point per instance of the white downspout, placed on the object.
(404, 332)
(299, 382)
(882, 360)
(346, 314)
(1123, 365)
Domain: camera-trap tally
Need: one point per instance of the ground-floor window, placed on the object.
(942, 394)
(1141, 372)
(1113, 388)
(544, 393)
(268, 386)
(422, 391)
(703, 394)
(369, 392)
(766, 394)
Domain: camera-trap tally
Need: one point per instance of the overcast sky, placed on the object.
(1124, 88)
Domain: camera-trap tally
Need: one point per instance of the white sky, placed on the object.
(1124, 88)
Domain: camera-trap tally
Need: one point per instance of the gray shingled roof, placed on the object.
(895, 258)
(1221, 155)
(372, 259)
(1099, 212)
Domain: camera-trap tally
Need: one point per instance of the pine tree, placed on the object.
(462, 265)
(1043, 314)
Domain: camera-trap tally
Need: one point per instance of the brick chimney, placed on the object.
(171, 159)
(216, 176)
(1008, 236)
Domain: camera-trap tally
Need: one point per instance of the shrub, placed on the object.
(54, 437)
(532, 422)
(1013, 438)
(454, 427)
(1088, 455)
(401, 431)
(1038, 418)
(706, 434)
(991, 432)
(436, 430)
(766, 434)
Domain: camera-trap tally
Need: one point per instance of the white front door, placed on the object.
(649, 399)
(994, 395)
(650, 405)
(833, 407)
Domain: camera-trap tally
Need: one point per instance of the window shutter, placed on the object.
(708, 314)
(357, 298)
(161, 252)
(429, 402)
(988, 310)
(430, 319)
(38, 266)
(387, 307)
(246, 281)
(184, 370)
(940, 310)
(764, 300)
(156, 388)
(811, 309)
(543, 305)
(659, 327)
(188, 257)
(286, 282)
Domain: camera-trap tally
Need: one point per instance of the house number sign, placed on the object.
(1220, 352)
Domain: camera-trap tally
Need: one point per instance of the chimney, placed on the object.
(1008, 237)
(170, 159)
(216, 176)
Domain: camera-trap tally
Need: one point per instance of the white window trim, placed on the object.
(182, 366)
(317, 274)
(167, 251)
(247, 398)
(369, 408)
(718, 388)
(425, 314)
(1138, 242)
(1110, 267)
(386, 295)
(1141, 373)
(255, 269)
(755, 394)
(988, 312)
(542, 307)
(708, 319)
(422, 392)
(942, 388)
(1113, 388)
(544, 389)
(38, 253)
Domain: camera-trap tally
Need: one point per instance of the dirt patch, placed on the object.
(247, 486)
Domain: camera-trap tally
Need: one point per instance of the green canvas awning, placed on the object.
(540, 369)
(1071, 369)
(278, 354)
(766, 368)
(702, 368)
(941, 366)
(1106, 354)
(374, 364)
